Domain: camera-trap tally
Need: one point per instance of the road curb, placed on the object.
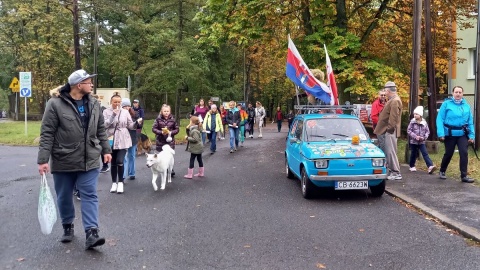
(464, 230)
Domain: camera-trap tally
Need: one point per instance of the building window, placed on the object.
(472, 57)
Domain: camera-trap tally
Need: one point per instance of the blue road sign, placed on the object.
(25, 92)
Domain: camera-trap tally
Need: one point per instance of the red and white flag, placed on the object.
(331, 80)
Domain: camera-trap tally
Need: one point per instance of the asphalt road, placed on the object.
(245, 214)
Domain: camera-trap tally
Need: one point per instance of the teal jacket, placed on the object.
(452, 117)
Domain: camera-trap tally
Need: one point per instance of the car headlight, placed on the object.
(378, 162)
(321, 163)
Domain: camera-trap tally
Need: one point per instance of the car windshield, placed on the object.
(333, 129)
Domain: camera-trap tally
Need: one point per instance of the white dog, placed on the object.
(161, 164)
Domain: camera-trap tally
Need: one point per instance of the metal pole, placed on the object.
(431, 87)
(26, 132)
(417, 35)
(477, 82)
(95, 64)
(76, 38)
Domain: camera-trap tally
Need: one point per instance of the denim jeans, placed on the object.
(129, 163)
(204, 137)
(213, 141)
(233, 137)
(86, 183)
(414, 152)
(279, 125)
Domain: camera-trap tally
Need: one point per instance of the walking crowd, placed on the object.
(76, 131)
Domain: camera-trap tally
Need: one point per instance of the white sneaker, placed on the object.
(431, 169)
(114, 188)
(260, 136)
(120, 188)
(413, 169)
(394, 176)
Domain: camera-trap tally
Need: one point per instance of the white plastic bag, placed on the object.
(47, 211)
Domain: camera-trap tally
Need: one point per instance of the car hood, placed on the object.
(341, 150)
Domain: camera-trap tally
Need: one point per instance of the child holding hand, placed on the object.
(195, 147)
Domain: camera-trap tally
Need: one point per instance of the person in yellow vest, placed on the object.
(213, 125)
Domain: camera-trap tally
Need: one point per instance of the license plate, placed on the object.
(351, 185)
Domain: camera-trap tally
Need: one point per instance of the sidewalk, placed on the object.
(455, 204)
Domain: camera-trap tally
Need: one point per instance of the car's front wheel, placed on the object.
(290, 175)
(378, 190)
(308, 188)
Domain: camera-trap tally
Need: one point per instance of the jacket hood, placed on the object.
(55, 92)
(452, 100)
(423, 122)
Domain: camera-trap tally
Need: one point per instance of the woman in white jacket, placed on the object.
(259, 116)
(117, 123)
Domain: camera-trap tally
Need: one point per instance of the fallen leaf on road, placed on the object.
(312, 216)
(361, 230)
(321, 266)
(20, 259)
(112, 242)
(247, 246)
(68, 251)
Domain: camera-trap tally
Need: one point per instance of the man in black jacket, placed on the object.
(72, 138)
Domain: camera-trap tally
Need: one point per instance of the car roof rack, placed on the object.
(335, 109)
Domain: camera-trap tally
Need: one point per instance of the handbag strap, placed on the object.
(115, 129)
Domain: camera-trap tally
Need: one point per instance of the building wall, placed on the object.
(463, 71)
(104, 94)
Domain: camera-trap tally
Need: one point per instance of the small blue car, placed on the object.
(333, 150)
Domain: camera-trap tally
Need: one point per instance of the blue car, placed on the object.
(333, 150)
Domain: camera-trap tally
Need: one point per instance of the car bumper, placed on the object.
(348, 177)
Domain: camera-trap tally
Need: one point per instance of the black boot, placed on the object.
(93, 240)
(173, 173)
(68, 231)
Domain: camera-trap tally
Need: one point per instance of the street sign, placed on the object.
(25, 84)
(215, 98)
(14, 85)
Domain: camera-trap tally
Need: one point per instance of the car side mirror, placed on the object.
(293, 140)
(375, 141)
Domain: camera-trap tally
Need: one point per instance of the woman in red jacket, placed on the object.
(377, 107)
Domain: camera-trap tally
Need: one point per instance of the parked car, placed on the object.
(333, 150)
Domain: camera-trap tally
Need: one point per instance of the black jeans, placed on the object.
(462, 144)
(192, 160)
(118, 156)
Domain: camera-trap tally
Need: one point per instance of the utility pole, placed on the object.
(76, 37)
(415, 77)
(95, 64)
(477, 82)
(431, 87)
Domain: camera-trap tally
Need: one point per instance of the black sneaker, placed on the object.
(68, 231)
(132, 177)
(173, 173)
(442, 175)
(105, 169)
(93, 240)
(467, 179)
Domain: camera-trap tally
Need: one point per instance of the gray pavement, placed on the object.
(455, 204)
